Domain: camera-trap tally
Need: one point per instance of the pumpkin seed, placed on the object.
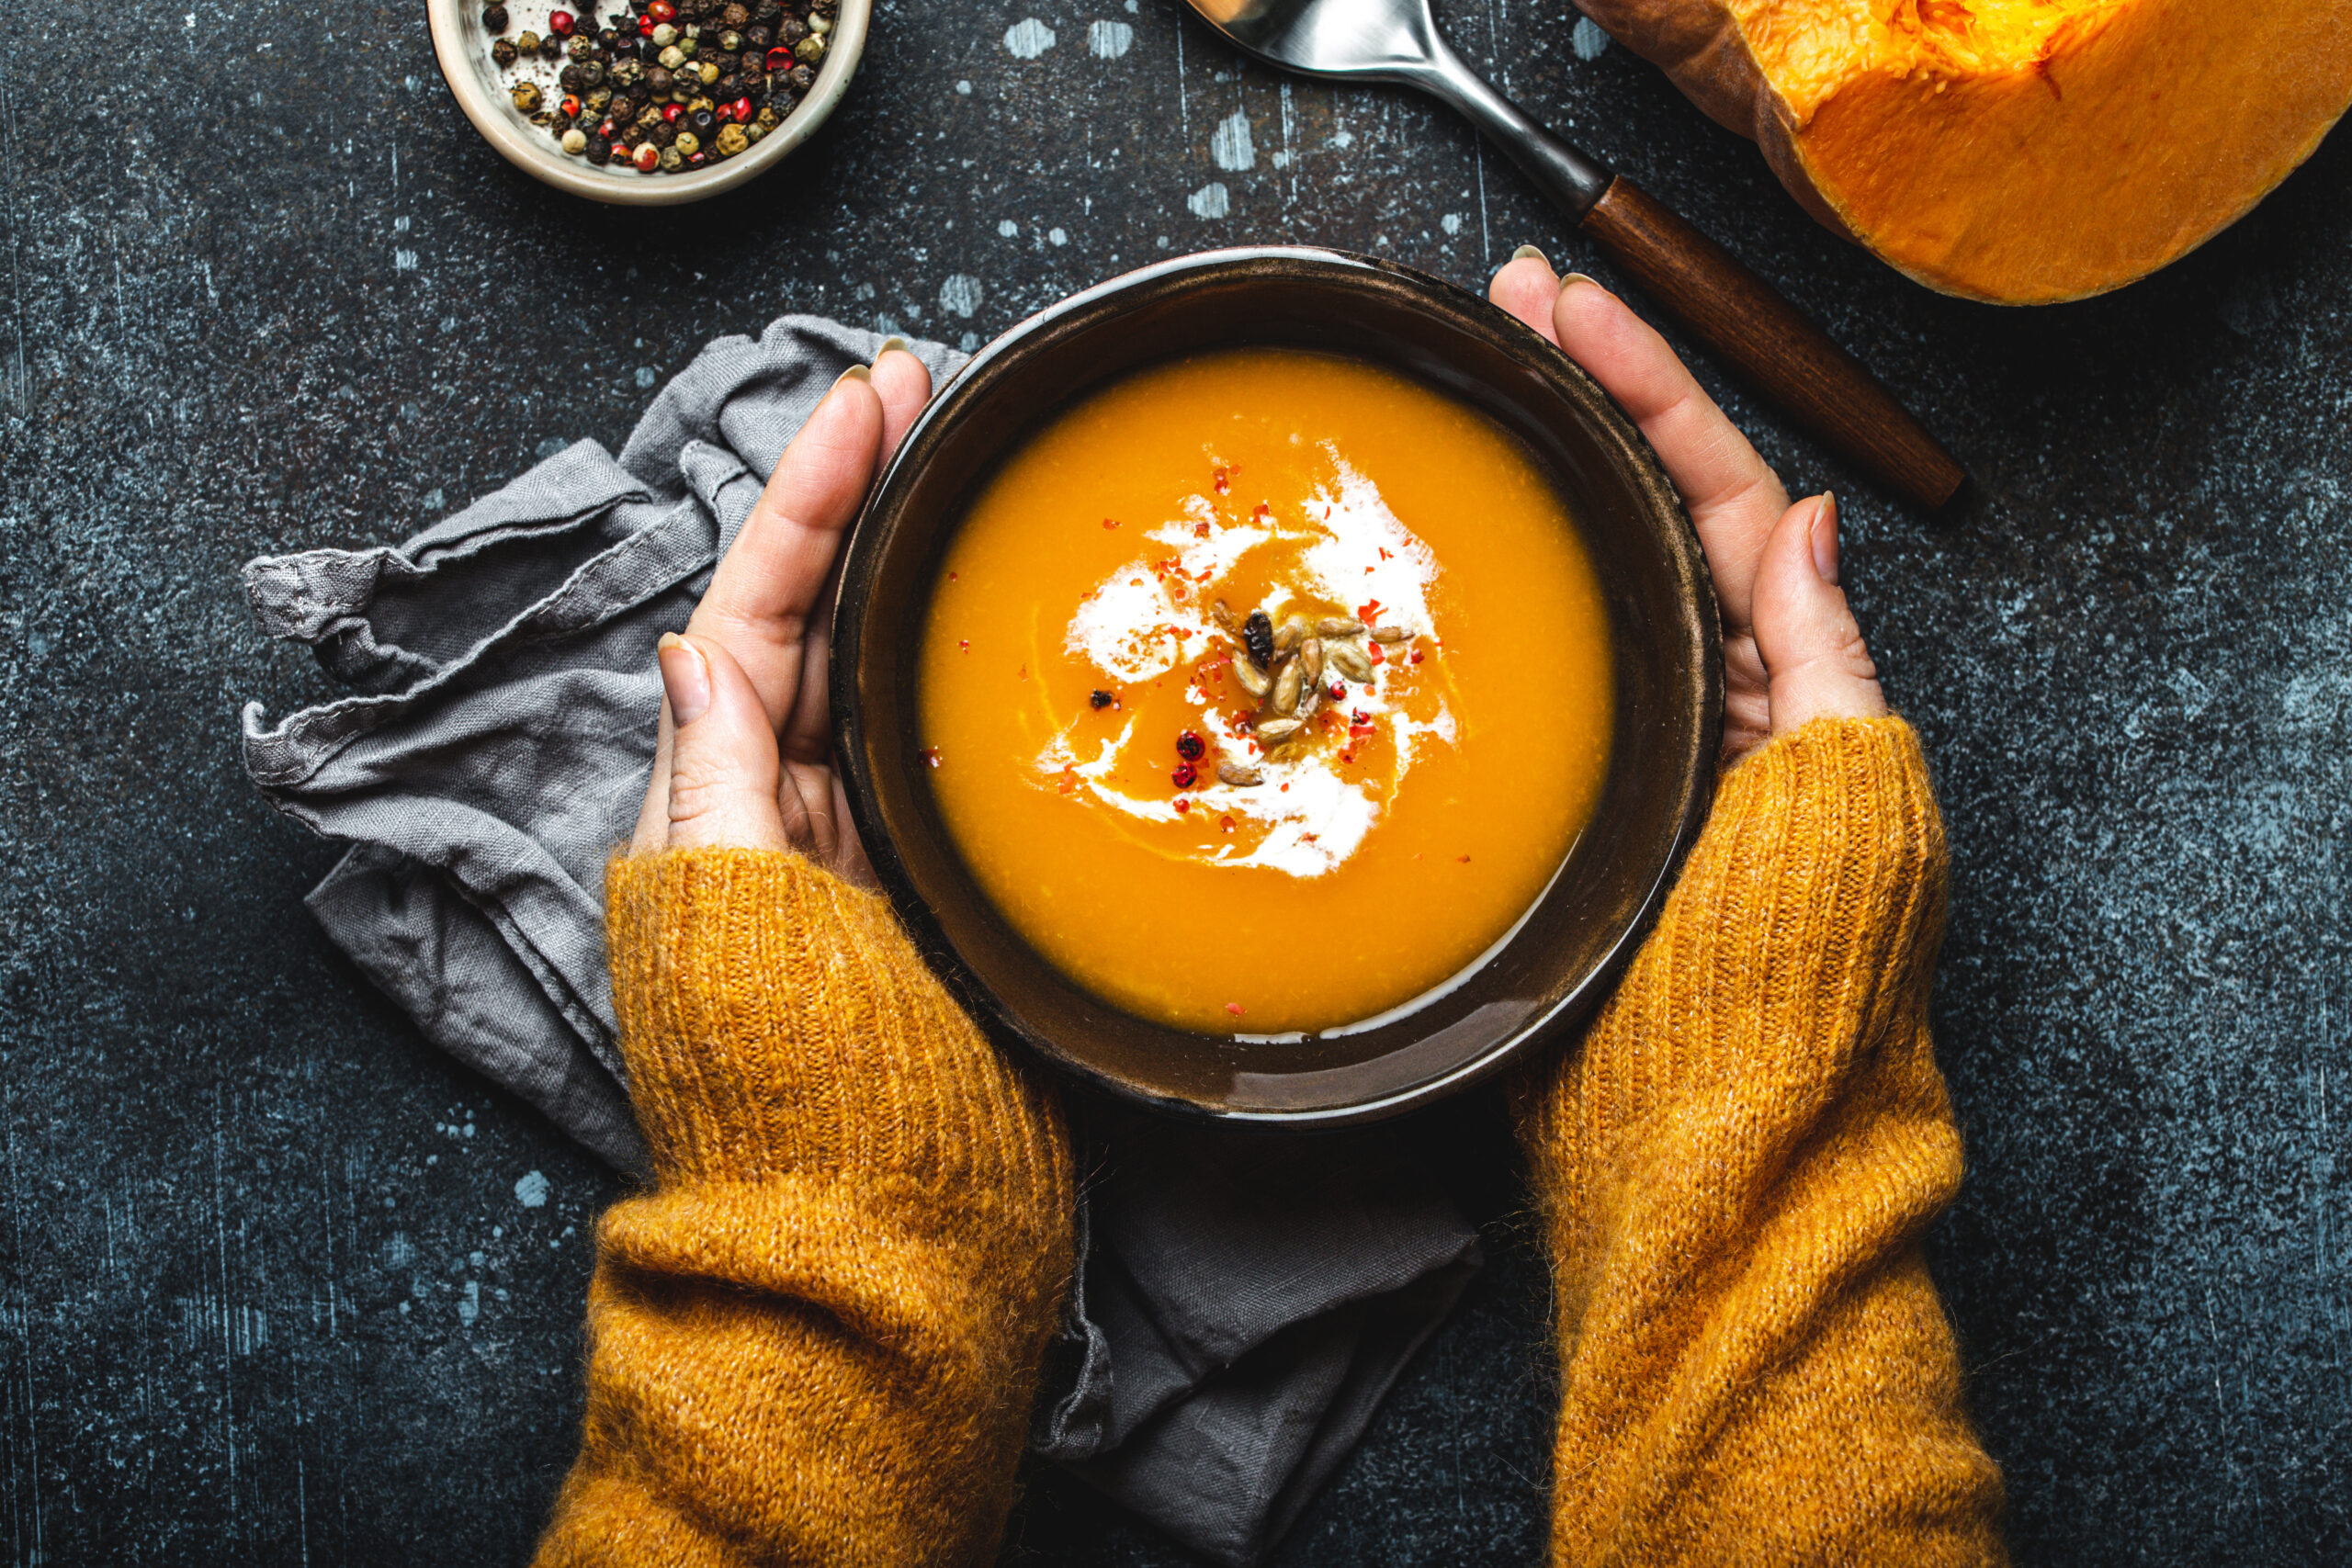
(1275, 732)
(1289, 634)
(1253, 679)
(1389, 633)
(1239, 777)
(1344, 658)
(1310, 659)
(1335, 625)
(1286, 688)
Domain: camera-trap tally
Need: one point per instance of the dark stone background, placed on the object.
(270, 1294)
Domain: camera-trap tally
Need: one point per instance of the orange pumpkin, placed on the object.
(2021, 152)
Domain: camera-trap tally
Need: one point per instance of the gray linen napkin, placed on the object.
(1244, 1303)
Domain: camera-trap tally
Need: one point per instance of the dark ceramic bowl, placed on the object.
(1557, 965)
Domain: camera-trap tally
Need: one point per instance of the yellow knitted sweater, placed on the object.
(817, 1338)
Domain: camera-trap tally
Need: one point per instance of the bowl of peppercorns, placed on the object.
(648, 102)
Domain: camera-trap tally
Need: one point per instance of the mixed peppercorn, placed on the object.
(666, 85)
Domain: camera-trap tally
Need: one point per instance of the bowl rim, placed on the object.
(860, 567)
(522, 145)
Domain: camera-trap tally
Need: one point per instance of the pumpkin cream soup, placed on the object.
(1265, 689)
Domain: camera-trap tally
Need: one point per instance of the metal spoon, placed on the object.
(1717, 300)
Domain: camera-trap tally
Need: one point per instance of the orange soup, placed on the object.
(1265, 689)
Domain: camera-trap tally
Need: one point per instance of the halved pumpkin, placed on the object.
(2016, 151)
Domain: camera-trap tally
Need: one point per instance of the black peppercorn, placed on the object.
(792, 29)
(550, 46)
(661, 133)
(727, 89)
(704, 123)
(756, 39)
(1258, 633)
(569, 78)
(734, 14)
(751, 65)
(494, 18)
(503, 51)
(801, 78)
(599, 149)
(657, 82)
(626, 74)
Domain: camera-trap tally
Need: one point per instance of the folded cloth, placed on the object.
(1244, 1303)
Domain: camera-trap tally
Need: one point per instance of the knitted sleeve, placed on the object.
(816, 1339)
(1733, 1173)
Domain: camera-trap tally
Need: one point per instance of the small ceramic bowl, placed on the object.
(1549, 973)
(461, 45)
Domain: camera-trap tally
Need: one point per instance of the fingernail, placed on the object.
(1825, 539)
(1526, 253)
(685, 678)
(890, 342)
(854, 373)
(1569, 277)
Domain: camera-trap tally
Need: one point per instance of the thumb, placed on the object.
(723, 761)
(1815, 660)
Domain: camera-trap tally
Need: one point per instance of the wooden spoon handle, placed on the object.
(1747, 325)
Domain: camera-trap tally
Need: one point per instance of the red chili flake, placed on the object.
(1355, 729)
(1183, 806)
(1347, 756)
(1337, 690)
(1233, 1007)
(964, 643)
(1200, 530)
(1383, 552)
(1110, 522)
(1416, 656)
(560, 23)
(1464, 859)
(1263, 514)
(1185, 776)
(950, 577)
(931, 754)
(1068, 781)
(1368, 612)
(1189, 746)
(1285, 789)
(1358, 715)
(1376, 656)
(1025, 672)
(1367, 572)
(1227, 823)
(1222, 480)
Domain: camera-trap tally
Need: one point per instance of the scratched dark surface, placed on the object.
(276, 1287)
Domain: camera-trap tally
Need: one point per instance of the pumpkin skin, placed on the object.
(2020, 151)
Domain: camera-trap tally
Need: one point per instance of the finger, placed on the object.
(903, 384)
(1526, 286)
(1814, 653)
(764, 591)
(723, 762)
(1733, 495)
(653, 818)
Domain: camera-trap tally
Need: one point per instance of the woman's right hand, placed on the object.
(1791, 651)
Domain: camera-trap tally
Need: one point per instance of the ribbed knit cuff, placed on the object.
(775, 1020)
(1807, 915)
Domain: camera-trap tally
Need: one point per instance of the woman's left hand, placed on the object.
(745, 757)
